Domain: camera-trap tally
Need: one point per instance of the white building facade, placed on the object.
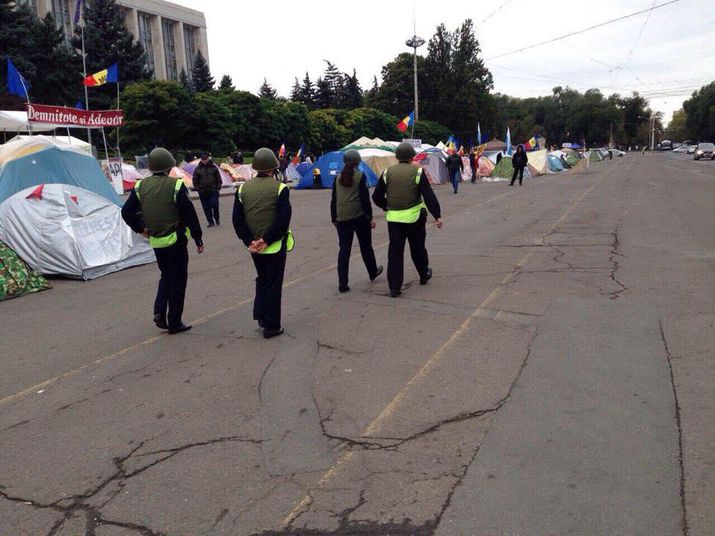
(170, 34)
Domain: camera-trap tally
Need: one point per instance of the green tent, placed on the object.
(571, 159)
(505, 170)
(594, 156)
(16, 277)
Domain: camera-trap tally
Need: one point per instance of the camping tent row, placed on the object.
(59, 213)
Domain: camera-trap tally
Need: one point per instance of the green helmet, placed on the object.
(352, 157)
(405, 152)
(161, 160)
(265, 160)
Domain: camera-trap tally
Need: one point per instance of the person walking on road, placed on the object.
(474, 164)
(403, 191)
(455, 166)
(207, 181)
(261, 219)
(519, 161)
(159, 208)
(351, 213)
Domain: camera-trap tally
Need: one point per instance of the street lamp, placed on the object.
(652, 129)
(414, 43)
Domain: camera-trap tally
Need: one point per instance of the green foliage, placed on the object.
(244, 110)
(371, 123)
(226, 84)
(210, 129)
(280, 122)
(396, 94)
(201, 78)
(185, 81)
(430, 132)
(326, 133)
(266, 91)
(107, 41)
(700, 111)
(678, 128)
(157, 113)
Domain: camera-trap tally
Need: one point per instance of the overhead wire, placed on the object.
(584, 30)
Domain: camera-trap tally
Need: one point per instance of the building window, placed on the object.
(169, 49)
(146, 40)
(61, 14)
(190, 46)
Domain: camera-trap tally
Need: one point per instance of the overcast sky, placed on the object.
(664, 55)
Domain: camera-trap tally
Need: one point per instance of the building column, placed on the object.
(157, 37)
(132, 21)
(202, 43)
(180, 46)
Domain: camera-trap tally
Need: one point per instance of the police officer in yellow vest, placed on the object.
(160, 209)
(261, 218)
(404, 192)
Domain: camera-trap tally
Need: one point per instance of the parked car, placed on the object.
(682, 149)
(691, 149)
(705, 150)
(666, 145)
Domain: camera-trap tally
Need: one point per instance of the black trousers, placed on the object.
(174, 266)
(520, 172)
(209, 202)
(269, 288)
(346, 230)
(415, 234)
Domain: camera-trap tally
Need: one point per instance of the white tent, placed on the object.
(12, 121)
(378, 159)
(59, 229)
(69, 140)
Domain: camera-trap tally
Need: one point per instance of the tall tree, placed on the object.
(700, 110)
(226, 84)
(396, 94)
(324, 96)
(107, 41)
(201, 78)
(333, 78)
(677, 129)
(352, 94)
(266, 91)
(295, 91)
(185, 81)
(307, 92)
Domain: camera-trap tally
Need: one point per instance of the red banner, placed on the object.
(74, 117)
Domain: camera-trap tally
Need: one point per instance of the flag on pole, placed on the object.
(530, 144)
(77, 11)
(406, 123)
(16, 83)
(110, 75)
(282, 150)
(298, 155)
(479, 134)
(508, 142)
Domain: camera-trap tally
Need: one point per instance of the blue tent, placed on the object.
(554, 163)
(40, 160)
(330, 165)
(303, 167)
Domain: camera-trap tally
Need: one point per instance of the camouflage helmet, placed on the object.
(265, 160)
(161, 160)
(405, 152)
(352, 157)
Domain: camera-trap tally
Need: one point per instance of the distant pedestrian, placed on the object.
(455, 167)
(261, 219)
(237, 158)
(351, 213)
(207, 181)
(159, 208)
(474, 164)
(283, 162)
(402, 192)
(519, 161)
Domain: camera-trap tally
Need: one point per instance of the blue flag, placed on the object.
(508, 142)
(78, 11)
(479, 134)
(16, 83)
(79, 105)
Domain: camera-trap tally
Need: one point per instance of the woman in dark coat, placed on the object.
(519, 161)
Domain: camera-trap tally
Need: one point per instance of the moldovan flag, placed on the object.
(282, 150)
(406, 123)
(110, 75)
(298, 155)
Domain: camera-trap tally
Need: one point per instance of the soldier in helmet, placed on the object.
(261, 218)
(351, 213)
(159, 208)
(405, 194)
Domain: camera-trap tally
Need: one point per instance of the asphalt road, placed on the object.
(555, 377)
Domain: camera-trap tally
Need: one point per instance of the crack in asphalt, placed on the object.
(72, 506)
(681, 457)
(615, 252)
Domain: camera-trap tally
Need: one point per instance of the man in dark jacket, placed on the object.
(207, 181)
(519, 161)
(455, 167)
(159, 208)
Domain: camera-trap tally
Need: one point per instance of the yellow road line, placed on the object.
(387, 412)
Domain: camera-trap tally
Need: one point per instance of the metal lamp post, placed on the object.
(414, 43)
